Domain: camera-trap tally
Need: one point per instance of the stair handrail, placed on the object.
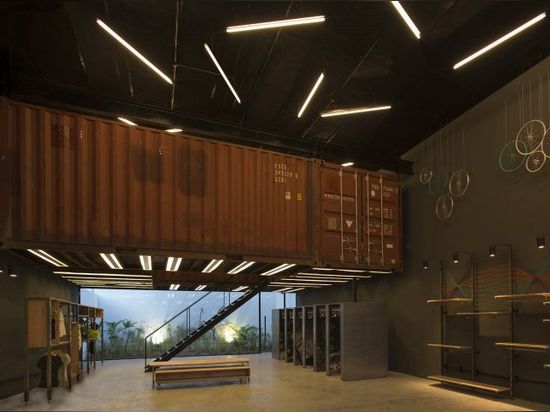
(176, 315)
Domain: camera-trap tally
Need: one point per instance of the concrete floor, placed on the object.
(275, 386)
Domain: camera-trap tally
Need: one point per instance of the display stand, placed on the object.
(307, 340)
(278, 333)
(298, 336)
(319, 338)
(289, 335)
(52, 324)
(333, 340)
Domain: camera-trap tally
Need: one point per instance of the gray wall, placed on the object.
(31, 282)
(498, 208)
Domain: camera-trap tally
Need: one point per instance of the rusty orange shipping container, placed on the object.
(79, 181)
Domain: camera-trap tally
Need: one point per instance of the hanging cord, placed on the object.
(463, 150)
(505, 114)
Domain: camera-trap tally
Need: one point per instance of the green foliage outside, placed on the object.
(125, 339)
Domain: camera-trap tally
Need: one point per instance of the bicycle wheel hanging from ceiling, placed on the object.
(545, 145)
(460, 179)
(444, 206)
(510, 159)
(426, 170)
(440, 178)
(536, 160)
(531, 133)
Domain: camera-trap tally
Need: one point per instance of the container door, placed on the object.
(382, 222)
(339, 216)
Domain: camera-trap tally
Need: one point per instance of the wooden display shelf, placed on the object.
(524, 295)
(523, 346)
(547, 302)
(469, 384)
(546, 320)
(495, 313)
(546, 366)
(449, 347)
(449, 300)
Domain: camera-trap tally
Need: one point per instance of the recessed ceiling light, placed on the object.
(341, 270)
(381, 271)
(295, 290)
(212, 265)
(306, 279)
(311, 93)
(275, 24)
(278, 269)
(173, 264)
(133, 51)
(117, 274)
(146, 262)
(111, 260)
(222, 72)
(298, 284)
(240, 267)
(282, 290)
(240, 289)
(128, 122)
(201, 287)
(406, 18)
(500, 41)
(47, 257)
(174, 130)
(354, 110)
(174, 286)
(13, 275)
(347, 164)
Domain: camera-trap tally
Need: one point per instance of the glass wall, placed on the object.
(131, 315)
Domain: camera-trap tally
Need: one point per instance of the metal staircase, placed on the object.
(194, 334)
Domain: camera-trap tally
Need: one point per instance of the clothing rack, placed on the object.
(43, 332)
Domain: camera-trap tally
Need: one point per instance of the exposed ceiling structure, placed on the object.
(134, 271)
(55, 53)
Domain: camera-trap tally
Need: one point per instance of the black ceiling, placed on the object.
(54, 53)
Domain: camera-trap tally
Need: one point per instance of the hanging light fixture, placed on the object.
(275, 24)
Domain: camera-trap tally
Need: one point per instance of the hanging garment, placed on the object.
(63, 373)
(56, 365)
(61, 330)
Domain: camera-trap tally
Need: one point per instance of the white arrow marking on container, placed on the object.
(349, 223)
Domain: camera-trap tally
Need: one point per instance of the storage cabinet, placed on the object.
(345, 339)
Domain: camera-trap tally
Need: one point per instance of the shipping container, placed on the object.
(81, 181)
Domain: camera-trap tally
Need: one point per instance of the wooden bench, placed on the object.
(469, 384)
(202, 374)
(200, 369)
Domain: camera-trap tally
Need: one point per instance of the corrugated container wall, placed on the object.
(79, 180)
(88, 181)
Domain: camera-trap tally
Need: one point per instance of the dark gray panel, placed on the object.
(364, 340)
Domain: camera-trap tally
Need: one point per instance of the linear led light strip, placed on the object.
(354, 110)
(311, 93)
(240, 267)
(341, 270)
(212, 265)
(117, 287)
(282, 290)
(173, 264)
(240, 289)
(61, 272)
(278, 269)
(305, 279)
(347, 164)
(175, 286)
(132, 50)
(114, 278)
(146, 262)
(201, 287)
(222, 72)
(275, 24)
(334, 275)
(298, 283)
(406, 18)
(295, 290)
(111, 260)
(174, 130)
(47, 257)
(500, 41)
(125, 120)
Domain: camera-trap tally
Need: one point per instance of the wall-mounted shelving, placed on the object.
(493, 313)
(524, 346)
(449, 347)
(450, 300)
(470, 384)
(524, 297)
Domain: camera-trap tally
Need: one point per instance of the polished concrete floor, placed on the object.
(275, 386)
